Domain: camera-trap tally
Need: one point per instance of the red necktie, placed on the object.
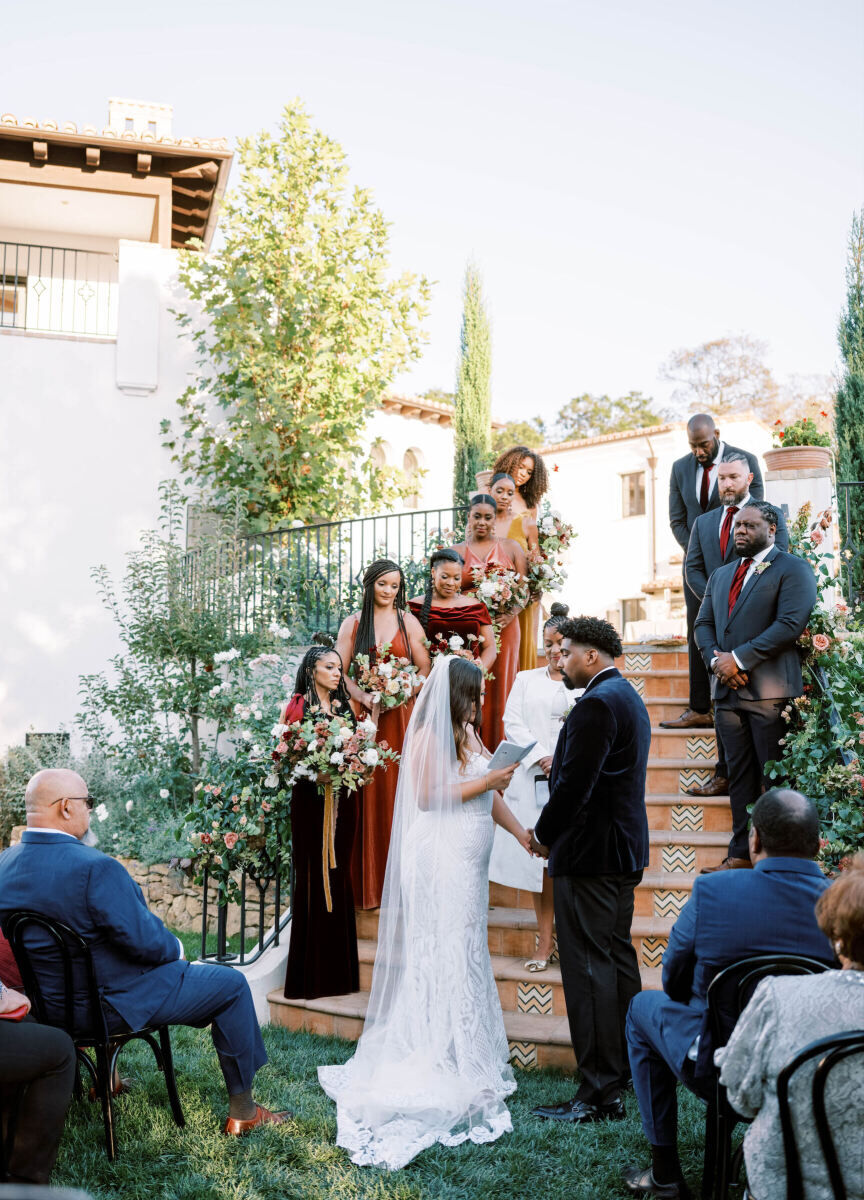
(706, 488)
(727, 528)
(738, 582)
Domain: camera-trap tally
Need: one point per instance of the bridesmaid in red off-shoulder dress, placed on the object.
(445, 611)
(482, 547)
(382, 618)
(322, 952)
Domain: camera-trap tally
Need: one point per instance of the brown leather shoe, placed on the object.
(263, 1116)
(690, 720)
(729, 864)
(714, 787)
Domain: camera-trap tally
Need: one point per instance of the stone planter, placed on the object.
(483, 479)
(798, 458)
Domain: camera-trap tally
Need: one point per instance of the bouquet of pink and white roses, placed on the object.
(390, 676)
(546, 571)
(500, 589)
(456, 644)
(329, 750)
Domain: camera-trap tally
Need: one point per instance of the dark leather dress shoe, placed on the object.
(235, 1127)
(714, 787)
(729, 864)
(690, 720)
(642, 1183)
(577, 1112)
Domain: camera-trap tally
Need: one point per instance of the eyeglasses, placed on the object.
(90, 801)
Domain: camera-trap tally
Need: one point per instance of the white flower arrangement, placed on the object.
(226, 656)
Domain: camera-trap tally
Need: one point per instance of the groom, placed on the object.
(594, 831)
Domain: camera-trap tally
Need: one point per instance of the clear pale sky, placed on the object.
(631, 177)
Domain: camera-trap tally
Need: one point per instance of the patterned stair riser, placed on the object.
(687, 817)
(637, 662)
(701, 747)
(638, 684)
(679, 858)
(534, 997)
(669, 904)
(523, 1054)
(652, 951)
(694, 777)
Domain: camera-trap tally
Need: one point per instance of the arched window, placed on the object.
(412, 466)
(381, 454)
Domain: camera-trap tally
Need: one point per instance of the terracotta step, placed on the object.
(666, 708)
(512, 934)
(654, 683)
(639, 656)
(680, 812)
(671, 775)
(686, 852)
(696, 744)
(660, 894)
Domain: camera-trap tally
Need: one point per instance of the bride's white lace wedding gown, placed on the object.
(434, 1065)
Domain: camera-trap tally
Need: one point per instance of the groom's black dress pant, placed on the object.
(600, 974)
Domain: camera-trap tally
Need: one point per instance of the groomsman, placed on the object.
(711, 545)
(693, 491)
(750, 619)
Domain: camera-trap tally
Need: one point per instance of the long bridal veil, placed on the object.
(431, 1065)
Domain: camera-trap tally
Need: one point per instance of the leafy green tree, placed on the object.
(519, 433)
(849, 405)
(439, 395)
(472, 421)
(591, 416)
(302, 332)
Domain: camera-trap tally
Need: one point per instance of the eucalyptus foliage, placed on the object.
(301, 330)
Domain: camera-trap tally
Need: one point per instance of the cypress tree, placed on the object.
(472, 421)
(849, 408)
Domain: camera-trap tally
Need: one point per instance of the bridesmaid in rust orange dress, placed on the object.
(444, 612)
(382, 618)
(483, 547)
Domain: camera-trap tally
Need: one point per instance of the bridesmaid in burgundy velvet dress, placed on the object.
(444, 610)
(482, 547)
(382, 618)
(322, 953)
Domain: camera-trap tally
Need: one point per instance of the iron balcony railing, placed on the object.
(309, 577)
(258, 919)
(50, 289)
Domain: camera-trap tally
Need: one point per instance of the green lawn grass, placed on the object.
(540, 1160)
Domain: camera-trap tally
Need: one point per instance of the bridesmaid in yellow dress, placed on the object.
(528, 471)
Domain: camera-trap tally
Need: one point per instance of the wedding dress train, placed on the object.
(432, 1064)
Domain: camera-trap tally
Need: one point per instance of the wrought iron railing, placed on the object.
(853, 552)
(51, 289)
(259, 922)
(309, 577)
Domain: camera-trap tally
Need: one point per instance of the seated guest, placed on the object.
(142, 978)
(785, 1015)
(730, 915)
(37, 1070)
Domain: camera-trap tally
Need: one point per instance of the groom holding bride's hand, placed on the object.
(594, 831)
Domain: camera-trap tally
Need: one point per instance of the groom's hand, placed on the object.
(537, 847)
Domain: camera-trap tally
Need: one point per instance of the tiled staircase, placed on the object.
(686, 834)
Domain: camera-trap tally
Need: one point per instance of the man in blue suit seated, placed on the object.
(142, 977)
(731, 915)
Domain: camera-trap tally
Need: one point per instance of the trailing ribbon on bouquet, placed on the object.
(328, 843)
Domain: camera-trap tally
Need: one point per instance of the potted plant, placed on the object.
(799, 446)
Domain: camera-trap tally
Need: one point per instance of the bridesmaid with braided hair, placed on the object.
(322, 953)
(382, 619)
(444, 611)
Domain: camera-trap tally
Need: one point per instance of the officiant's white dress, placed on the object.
(535, 709)
(432, 1064)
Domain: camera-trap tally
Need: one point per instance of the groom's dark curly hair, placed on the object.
(591, 631)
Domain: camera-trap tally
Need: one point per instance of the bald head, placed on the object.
(704, 438)
(54, 799)
(700, 422)
(786, 824)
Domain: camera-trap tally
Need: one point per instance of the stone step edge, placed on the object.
(679, 798)
(695, 764)
(698, 731)
(689, 837)
(658, 673)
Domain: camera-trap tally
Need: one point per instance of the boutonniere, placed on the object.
(760, 567)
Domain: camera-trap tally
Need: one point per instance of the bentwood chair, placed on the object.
(80, 1010)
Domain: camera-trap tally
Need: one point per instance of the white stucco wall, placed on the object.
(80, 465)
(611, 557)
(432, 443)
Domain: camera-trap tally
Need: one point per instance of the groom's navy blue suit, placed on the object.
(596, 828)
(137, 961)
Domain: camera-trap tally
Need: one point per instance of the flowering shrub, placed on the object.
(824, 747)
(228, 832)
(804, 432)
(393, 678)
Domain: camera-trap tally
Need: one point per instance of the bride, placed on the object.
(432, 1062)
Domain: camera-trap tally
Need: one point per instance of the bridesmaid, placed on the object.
(528, 471)
(322, 952)
(443, 609)
(483, 547)
(382, 618)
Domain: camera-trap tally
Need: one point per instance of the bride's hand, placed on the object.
(524, 839)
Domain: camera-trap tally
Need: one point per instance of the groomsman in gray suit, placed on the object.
(750, 620)
(693, 491)
(711, 545)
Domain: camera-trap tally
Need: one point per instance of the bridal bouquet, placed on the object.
(500, 589)
(393, 678)
(329, 750)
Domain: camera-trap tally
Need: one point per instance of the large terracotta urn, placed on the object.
(483, 478)
(798, 458)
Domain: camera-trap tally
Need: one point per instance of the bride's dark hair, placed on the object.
(445, 554)
(304, 684)
(465, 686)
(364, 642)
